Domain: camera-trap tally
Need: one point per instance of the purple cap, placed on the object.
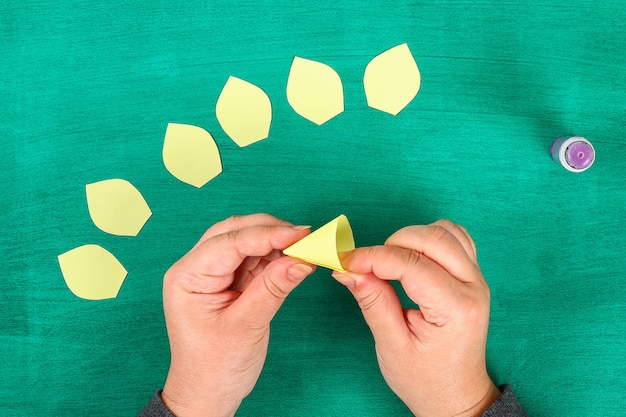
(580, 155)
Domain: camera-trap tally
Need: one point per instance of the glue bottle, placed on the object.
(574, 153)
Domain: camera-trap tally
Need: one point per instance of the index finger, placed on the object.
(222, 254)
(241, 222)
(439, 242)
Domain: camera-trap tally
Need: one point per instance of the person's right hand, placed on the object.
(432, 358)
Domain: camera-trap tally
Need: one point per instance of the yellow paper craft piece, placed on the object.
(190, 154)
(314, 90)
(117, 207)
(392, 80)
(92, 272)
(322, 247)
(244, 111)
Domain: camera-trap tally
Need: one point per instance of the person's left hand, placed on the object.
(219, 300)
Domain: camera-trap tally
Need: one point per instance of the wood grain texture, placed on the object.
(89, 87)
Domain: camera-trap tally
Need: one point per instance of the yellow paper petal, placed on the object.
(117, 207)
(190, 154)
(322, 247)
(392, 80)
(314, 90)
(244, 111)
(92, 272)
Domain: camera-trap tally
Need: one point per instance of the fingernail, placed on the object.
(302, 227)
(344, 279)
(298, 272)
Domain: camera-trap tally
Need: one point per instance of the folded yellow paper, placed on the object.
(322, 247)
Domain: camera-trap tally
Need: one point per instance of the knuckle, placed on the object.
(176, 277)
(263, 240)
(231, 242)
(445, 223)
(405, 231)
(274, 289)
(487, 291)
(461, 228)
(370, 252)
(234, 220)
(170, 277)
(410, 257)
(229, 239)
(261, 218)
(475, 309)
(369, 300)
(266, 217)
(436, 232)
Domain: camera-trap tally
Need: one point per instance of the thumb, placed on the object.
(379, 304)
(261, 300)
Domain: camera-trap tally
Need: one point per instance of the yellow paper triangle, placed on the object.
(392, 80)
(92, 272)
(322, 247)
(117, 207)
(244, 111)
(190, 154)
(314, 90)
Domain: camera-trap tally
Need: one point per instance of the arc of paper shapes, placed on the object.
(91, 272)
(117, 207)
(314, 90)
(191, 154)
(244, 111)
(322, 247)
(392, 80)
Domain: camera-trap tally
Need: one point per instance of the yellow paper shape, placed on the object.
(314, 90)
(322, 247)
(117, 207)
(92, 272)
(392, 80)
(244, 111)
(191, 154)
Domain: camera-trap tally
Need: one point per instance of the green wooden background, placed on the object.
(87, 89)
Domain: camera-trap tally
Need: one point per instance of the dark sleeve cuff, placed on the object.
(155, 408)
(505, 406)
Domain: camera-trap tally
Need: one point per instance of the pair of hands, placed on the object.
(220, 297)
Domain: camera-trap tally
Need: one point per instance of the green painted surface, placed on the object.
(87, 91)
